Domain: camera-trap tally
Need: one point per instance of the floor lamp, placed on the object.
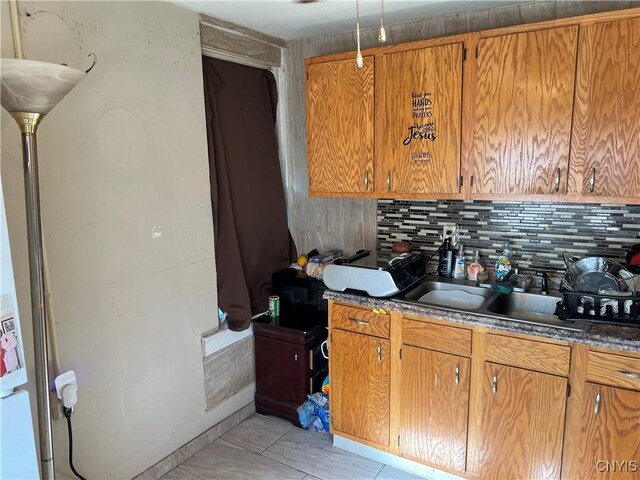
(30, 90)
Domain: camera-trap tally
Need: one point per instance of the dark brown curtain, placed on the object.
(249, 212)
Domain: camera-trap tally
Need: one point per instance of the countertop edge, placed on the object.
(599, 335)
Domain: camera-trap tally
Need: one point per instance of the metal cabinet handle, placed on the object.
(310, 359)
(366, 179)
(627, 373)
(457, 374)
(592, 181)
(358, 322)
(389, 181)
(379, 353)
(596, 409)
(558, 179)
(295, 357)
(494, 387)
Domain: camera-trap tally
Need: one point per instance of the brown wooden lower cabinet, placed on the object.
(483, 403)
(522, 423)
(359, 376)
(435, 396)
(610, 433)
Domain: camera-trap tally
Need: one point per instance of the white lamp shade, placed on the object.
(35, 87)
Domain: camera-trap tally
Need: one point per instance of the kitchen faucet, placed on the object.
(544, 289)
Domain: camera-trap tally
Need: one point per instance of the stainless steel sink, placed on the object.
(466, 296)
(452, 295)
(523, 304)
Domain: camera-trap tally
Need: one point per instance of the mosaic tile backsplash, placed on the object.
(538, 232)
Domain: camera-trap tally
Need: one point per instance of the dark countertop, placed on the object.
(599, 335)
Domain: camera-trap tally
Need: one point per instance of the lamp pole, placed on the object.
(28, 123)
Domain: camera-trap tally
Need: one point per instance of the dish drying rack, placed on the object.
(623, 310)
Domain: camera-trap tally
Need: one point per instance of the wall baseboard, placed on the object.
(392, 460)
(189, 449)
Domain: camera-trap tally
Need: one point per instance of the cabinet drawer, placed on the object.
(441, 338)
(614, 370)
(360, 320)
(529, 354)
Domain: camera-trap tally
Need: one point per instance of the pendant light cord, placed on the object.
(382, 36)
(15, 27)
(359, 59)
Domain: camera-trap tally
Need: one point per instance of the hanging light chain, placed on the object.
(382, 36)
(359, 59)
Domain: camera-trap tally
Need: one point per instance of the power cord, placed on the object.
(67, 413)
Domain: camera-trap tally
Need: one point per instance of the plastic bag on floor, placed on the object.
(314, 413)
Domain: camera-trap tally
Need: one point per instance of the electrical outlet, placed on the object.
(67, 388)
(448, 230)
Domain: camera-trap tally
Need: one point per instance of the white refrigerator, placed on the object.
(17, 445)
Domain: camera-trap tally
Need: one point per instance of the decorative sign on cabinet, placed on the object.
(418, 119)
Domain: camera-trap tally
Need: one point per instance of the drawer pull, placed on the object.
(358, 322)
(389, 181)
(366, 179)
(494, 387)
(627, 373)
(457, 374)
(295, 357)
(310, 359)
(558, 179)
(592, 180)
(379, 353)
(596, 409)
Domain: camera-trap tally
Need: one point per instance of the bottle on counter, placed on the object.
(446, 259)
(459, 268)
(504, 264)
(475, 267)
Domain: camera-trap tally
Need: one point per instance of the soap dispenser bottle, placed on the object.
(504, 264)
(475, 267)
(459, 264)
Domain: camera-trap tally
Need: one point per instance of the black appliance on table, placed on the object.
(289, 362)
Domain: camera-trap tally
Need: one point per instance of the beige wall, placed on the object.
(128, 227)
(351, 224)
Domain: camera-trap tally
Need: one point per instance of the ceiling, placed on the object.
(288, 19)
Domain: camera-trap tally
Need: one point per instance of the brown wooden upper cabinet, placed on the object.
(340, 127)
(605, 146)
(523, 99)
(418, 120)
(549, 110)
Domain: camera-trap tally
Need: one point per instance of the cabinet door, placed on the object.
(419, 120)
(610, 436)
(522, 423)
(359, 372)
(605, 147)
(522, 109)
(280, 370)
(340, 127)
(435, 397)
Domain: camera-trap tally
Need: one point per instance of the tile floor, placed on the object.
(269, 448)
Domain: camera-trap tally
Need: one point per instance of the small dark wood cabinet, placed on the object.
(289, 362)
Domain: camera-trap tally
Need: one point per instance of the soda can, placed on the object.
(274, 306)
